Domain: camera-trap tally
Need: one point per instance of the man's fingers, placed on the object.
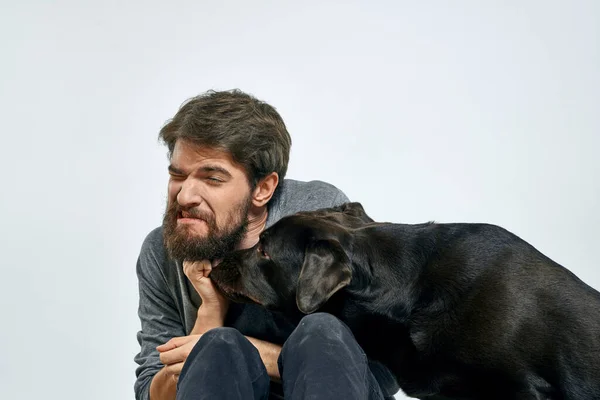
(182, 347)
(173, 356)
(174, 369)
(173, 343)
(170, 345)
(195, 270)
(166, 346)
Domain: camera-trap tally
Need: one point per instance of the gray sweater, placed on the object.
(168, 303)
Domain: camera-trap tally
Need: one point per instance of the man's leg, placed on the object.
(321, 360)
(223, 365)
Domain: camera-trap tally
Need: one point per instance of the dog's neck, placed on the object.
(386, 294)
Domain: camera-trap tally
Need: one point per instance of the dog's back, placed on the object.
(480, 298)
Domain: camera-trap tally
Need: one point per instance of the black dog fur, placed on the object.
(465, 311)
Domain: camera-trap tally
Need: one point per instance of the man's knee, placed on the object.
(317, 329)
(222, 341)
(321, 342)
(224, 336)
(224, 352)
(321, 324)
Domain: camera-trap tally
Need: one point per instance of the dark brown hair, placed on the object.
(249, 129)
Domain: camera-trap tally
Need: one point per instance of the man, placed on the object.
(228, 155)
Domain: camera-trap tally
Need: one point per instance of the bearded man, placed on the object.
(229, 155)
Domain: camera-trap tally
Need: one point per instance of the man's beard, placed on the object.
(182, 243)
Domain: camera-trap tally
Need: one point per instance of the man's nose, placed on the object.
(190, 194)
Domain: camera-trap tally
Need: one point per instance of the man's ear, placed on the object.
(326, 270)
(264, 189)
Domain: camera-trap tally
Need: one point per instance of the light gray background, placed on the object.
(454, 111)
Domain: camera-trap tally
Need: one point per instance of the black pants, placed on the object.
(320, 360)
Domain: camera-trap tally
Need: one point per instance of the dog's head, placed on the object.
(298, 263)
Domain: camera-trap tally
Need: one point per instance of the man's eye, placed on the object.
(214, 180)
(177, 177)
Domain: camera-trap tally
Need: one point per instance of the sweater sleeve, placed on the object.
(160, 320)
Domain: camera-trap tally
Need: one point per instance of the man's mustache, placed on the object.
(182, 212)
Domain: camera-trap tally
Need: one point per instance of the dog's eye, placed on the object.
(262, 251)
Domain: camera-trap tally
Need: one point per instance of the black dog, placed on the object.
(467, 311)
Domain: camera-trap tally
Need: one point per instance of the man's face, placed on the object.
(208, 202)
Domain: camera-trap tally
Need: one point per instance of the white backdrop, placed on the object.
(475, 111)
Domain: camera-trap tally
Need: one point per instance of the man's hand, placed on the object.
(174, 353)
(197, 272)
(213, 309)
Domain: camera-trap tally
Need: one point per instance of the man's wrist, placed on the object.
(208, 318)
(212, 313)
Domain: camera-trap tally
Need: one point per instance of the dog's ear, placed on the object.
(356, 210)
(326, 270)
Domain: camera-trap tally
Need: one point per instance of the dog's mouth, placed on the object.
(225, 282)
(237, 296)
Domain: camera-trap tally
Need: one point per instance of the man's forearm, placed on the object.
(269, 353)
(207, 318)
(163, 386)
